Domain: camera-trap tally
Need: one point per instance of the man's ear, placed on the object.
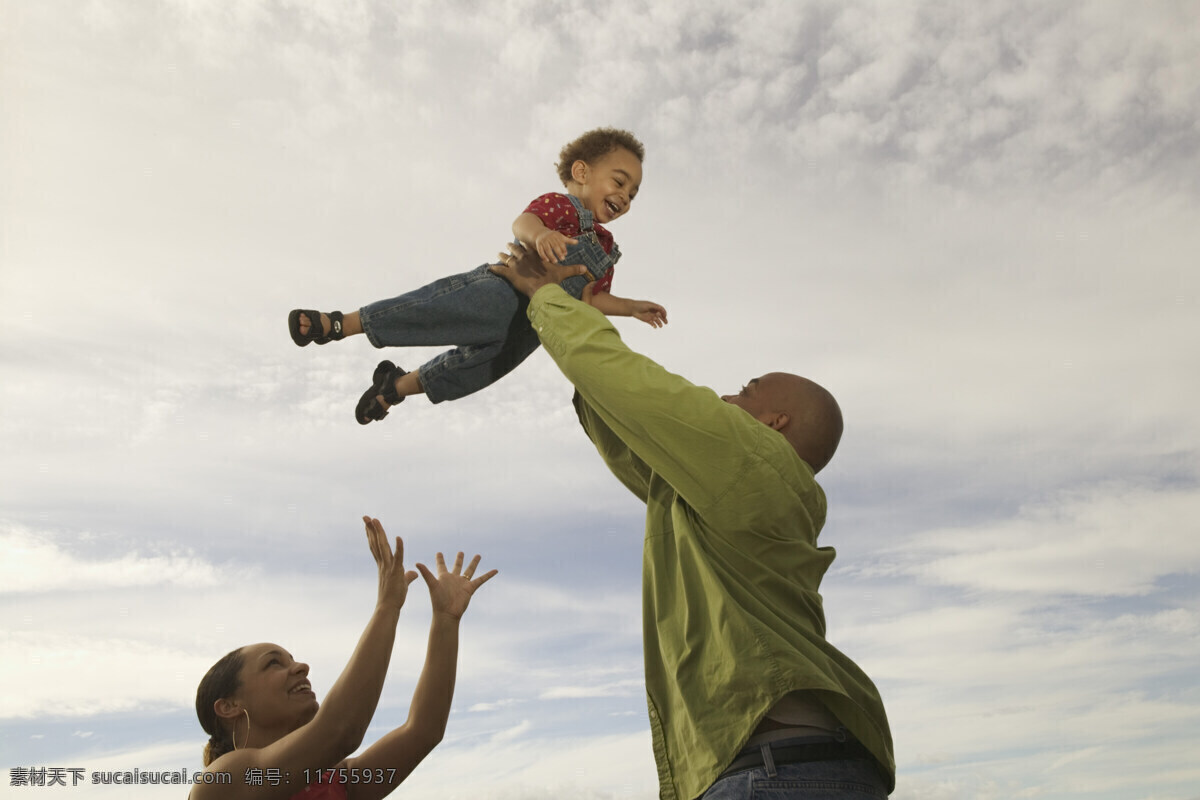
(579, 171)
(778, 421)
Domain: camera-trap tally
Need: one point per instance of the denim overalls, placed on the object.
(479, 312)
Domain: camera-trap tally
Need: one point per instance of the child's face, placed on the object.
(607, 187)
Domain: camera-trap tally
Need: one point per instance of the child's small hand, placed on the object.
(650, 313)
(552, 245)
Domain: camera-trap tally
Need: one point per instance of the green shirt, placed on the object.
(732, 616)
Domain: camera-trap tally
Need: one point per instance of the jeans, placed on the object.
(852, 779)
(478, 312)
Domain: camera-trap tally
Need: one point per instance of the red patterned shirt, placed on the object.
(558, 214)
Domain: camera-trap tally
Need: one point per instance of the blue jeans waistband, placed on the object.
(799, 750)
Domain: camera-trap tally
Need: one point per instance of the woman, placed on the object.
(267, 733)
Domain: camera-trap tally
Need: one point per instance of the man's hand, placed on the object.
(528, 273)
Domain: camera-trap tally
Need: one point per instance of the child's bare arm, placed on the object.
(533, 233)
(610, 305)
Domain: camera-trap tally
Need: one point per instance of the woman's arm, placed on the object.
(338, 727)
(382, 767)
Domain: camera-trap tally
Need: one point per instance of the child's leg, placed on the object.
(478, 311)
(473, 308)
(382, 394)
(410, 383)
(464, 370)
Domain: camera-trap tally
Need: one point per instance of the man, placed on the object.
(741, 685)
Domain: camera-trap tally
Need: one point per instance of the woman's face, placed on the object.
(274, 688)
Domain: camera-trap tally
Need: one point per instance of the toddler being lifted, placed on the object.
(480, 313)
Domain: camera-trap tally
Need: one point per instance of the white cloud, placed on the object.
(74, 652)
(596, 768)
(491, 706)
(1110, 540)
(29, 564)
(619, 688)
(511, 734)
(73, 675)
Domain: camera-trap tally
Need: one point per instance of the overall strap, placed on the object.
(585, 216)
(586, 231)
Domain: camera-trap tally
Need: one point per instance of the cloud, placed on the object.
(510, 734)
(74, 659)
(617, 689)
(535, 767)
(28, 564)
(81, 676)
(1105, 541)
(992, 99)
(491, 706)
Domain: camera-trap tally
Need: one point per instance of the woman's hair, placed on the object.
(221, 680)
(594, 145)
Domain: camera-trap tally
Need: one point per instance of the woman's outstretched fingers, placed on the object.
(450, 592)
(379, 546)
(393, 579)
(482, 579)
(386, 556)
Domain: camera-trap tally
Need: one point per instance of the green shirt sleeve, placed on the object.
(618, 457)
(641, 417)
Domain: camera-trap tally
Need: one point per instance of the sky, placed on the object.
(970, 222)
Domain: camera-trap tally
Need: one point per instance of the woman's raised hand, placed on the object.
(450, 592)
(393, 580)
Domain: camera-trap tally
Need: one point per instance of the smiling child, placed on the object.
(480, 313)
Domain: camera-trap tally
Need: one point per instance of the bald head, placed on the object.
(804, 412)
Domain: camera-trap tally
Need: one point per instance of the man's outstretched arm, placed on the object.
(683, 432)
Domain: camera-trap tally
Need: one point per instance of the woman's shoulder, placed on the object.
(220, 774)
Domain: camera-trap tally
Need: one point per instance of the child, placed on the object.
(480, 312)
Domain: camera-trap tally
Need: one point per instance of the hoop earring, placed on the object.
(233, 733)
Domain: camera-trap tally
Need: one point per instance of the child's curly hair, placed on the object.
(593, 145)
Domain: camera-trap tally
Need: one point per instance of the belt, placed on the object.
(801, 753)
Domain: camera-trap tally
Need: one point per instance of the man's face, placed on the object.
(755, 398)
(803, 411)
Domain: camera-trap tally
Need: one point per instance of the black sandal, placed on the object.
(383, 384)
(316, 331)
